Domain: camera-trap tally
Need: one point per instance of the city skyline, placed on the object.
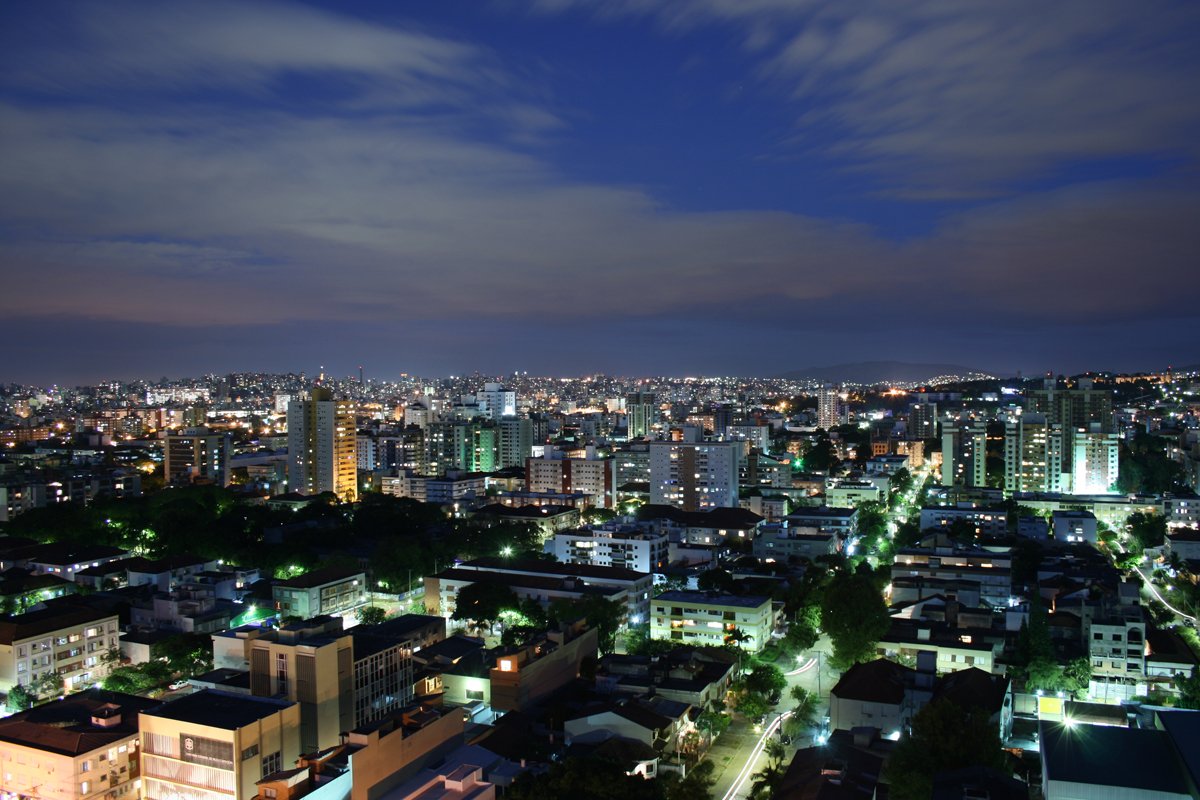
(569, 187)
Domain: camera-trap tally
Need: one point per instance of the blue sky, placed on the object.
(565, 186)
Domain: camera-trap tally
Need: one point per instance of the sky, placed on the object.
(722, 187)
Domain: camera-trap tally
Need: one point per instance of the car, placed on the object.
(178, 685)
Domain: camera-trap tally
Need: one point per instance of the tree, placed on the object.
(50, 684)
(855, 617)
(943, 737)
(803, 632)
(804, 712)
(19, 698)
(715, 580)
(736, 636)
(1147, 530)
(696, 785)
(483, 602)
(370, 615)
(186, 654)
(584, 779)
(605, 615)
(765, 782)
(1189, 689)
(766, 680)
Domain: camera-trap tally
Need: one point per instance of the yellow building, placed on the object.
(216, 746)
(323, 446)
(70, 640)
(82, 747)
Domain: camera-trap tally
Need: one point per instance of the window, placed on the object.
(270, 764)
(250, 752)
(268, 793)
(85, 766)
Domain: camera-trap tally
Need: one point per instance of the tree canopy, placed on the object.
(854, 616)
(484, 602)
(943, 737)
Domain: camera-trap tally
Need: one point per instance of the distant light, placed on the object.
(506, 551)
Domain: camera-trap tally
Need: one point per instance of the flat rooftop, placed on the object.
(220, 709)
(714, 598)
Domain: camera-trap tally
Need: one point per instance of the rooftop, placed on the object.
(220, 709)
(1102, 755)
(321, 577)
(714, 598)
(65, 726)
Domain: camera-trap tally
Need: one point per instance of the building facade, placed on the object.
(322, 446)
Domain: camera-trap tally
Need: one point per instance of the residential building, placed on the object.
(515, 441)
(525, 674)
(922, 421)
(641, 413)
(83, 747)
(61, 559)
(631, 548)
(216, 745)
(985, 521)
(1074, 526)
(329, 590)
(779, 543)
(851, 493)
(1033, 455)
(1117, 644)
(495, 401)
(1094, 464)
(694, 476)
(383, 667)
(322, 441)
(197, 454)
(704, 618)
(698, 676)
(1073, 410)
(69, 638)
(964, 451)
(594, 477)
(825, 519)
(829, 407)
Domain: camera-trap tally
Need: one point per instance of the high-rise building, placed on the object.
(197, 454)
(322, 446)
(1094, 465)
(594, 477)
(694, 476)
(495, 401)
(1073, 409)
(1033, 455)
(641, 413)
(922, 421)
(829, 407)
(964, 451)
(516, 442)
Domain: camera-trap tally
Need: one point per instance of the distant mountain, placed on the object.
(880, 372)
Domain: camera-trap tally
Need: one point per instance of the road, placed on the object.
(738, 753)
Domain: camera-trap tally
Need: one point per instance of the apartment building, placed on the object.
(323, 591)
(707, 618)
(84, 747)
(65, 638)
(631, 548)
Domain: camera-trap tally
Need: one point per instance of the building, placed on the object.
(216, 746)
(1117, 644)
(543, 581)
(197, 454)
(383, 666)
(495, 401)
(985, 521)
(784, 543)
(594, 477)
(525, 674)
(829, 407)
(705, 618)
(68, 638)
(694, 476)
(641, 414)
(1094, 465)
(923, 421)
(310, 664)
(824, 519)
(1107, 761)
(322, 442)
(329, 590)
(1084, 408)
(1074, 526)
(83, 747)
(1033, 455)
(515, 441)
(851, 493)
(631, 548)
(964, 451)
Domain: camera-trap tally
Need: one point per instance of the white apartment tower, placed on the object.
(964, 452)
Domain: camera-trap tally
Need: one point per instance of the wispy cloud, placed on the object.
(956, 99)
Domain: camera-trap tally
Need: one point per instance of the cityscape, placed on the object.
(599, 399)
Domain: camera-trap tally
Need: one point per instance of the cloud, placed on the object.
(949, 100)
